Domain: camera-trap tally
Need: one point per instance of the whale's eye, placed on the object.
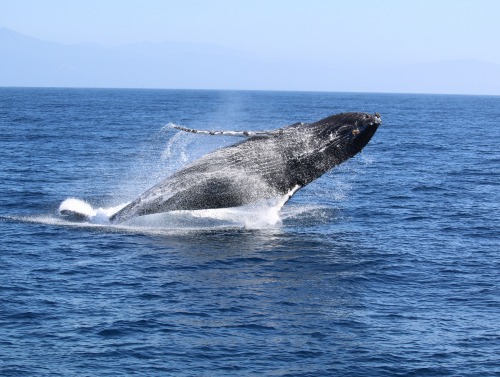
(355, 132)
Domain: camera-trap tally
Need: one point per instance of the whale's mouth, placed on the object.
(367, 123)
(372, 120)
(363, 127)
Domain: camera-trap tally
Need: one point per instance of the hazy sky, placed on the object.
(395, 31)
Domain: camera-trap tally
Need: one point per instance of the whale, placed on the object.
(265, 165)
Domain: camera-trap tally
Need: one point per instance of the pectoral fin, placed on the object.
(224, 133)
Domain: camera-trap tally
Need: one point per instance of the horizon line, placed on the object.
(245, 90)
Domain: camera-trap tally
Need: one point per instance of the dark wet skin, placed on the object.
(264, 166)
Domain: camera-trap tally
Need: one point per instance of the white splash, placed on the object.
(78, 208)
(259, 215)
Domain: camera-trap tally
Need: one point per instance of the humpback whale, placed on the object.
(266, 165)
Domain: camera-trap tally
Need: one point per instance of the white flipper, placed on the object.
(287, 196)
(225, 133)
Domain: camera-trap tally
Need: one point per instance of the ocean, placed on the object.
(389, 265)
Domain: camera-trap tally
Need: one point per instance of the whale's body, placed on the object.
(265, 165)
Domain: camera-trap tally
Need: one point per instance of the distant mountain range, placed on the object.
(27, 61)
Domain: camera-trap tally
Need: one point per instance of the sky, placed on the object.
(383, 30)
(375, 32)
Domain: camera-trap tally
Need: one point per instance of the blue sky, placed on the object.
(373, 33)
(383, 30)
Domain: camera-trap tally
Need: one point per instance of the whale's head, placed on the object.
(346, 134)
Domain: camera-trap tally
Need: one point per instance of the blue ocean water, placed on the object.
(388, 265)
